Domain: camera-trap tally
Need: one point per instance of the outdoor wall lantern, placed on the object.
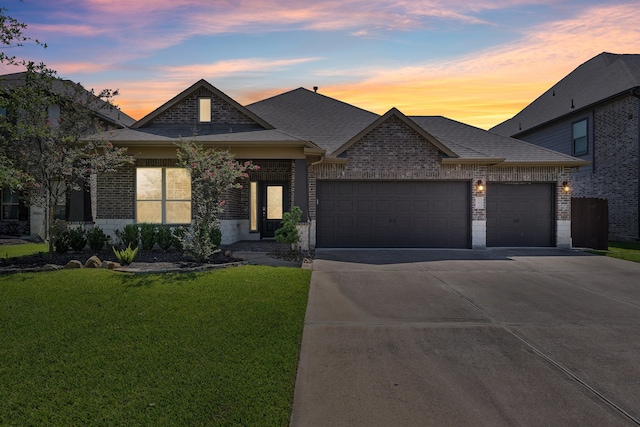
(479, 187)
(565, 187)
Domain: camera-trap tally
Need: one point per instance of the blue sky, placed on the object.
(477, 62)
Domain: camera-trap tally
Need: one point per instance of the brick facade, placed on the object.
(615, 166)
(186, 111)
(116, 191)
(394, 151)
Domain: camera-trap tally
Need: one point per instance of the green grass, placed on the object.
(629, 251)
(94, 347)
(11, 251)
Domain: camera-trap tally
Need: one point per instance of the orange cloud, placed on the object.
(481, 89)
(229, 67)
(488, 87)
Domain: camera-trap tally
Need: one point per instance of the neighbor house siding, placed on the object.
(615, 176)
(558, 137)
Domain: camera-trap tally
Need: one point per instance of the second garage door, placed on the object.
(393, 214)
(520, 215)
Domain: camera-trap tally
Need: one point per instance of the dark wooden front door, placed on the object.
(274, 200)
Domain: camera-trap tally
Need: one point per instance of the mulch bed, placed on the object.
(142, 260)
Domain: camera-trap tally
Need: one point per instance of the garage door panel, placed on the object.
(520, 215)
(394, 214)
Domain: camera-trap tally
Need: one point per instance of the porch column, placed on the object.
(301, 193)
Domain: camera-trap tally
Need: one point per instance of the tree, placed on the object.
(213, 173)
(52, 152)
(45, 152)
(12, 35)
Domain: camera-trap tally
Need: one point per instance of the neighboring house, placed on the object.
(593, 114)
(361, 180)
(16, 218)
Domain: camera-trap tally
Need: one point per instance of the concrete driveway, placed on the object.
(458, 337)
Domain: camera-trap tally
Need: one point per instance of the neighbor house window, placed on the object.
(163, 195)
(10, 205)
(204, 109)
(579, 136)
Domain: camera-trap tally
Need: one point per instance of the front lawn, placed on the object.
(12, 251)
(94, 347)
(629, 251)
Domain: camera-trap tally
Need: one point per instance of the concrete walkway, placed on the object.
(495, 337)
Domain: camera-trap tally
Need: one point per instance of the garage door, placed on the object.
(384, 214)
(520, 215)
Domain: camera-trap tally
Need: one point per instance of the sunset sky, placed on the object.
(478, 62)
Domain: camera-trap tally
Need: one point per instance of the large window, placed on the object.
(163, 196)
(579, 135)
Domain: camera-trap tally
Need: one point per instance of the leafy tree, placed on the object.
(43, 130)
(51, 151)
(213, 172)
(12, 35)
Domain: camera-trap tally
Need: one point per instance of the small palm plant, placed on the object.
(125, 256)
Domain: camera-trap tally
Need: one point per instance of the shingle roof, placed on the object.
(472, 143)
(104, 110)
(310, 116)
(119, 136)
(598, 79)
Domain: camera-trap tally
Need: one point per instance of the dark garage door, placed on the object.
(520, 215)
(392, 214)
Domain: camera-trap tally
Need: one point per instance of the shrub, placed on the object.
(148, 235)
(164, 237)
(178, 236)
(288, 233)
(97, 238)
(129, 235)
(125, 256)
(60, 237)
(77, 238)
(216, 237)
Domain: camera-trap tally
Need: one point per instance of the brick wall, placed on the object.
(394, 151)
(116, 191)
(116, 194)
(615, 166)
(186, 111)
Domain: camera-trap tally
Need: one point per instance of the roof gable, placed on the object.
(395, 113)
(183, 110)
(475, 145)
(603, 77)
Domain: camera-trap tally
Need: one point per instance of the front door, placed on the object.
(274, 201)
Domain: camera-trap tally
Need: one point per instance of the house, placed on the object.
(593, 114)
(18, 219)
(361, 179)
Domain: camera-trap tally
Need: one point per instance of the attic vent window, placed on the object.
(204, 110)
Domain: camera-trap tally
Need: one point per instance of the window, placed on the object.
(163, 195)
(204, 109)
(10, 205)
(579, 133)
(253, 205)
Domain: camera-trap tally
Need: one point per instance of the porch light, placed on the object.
(565, 187)
(479, 186)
